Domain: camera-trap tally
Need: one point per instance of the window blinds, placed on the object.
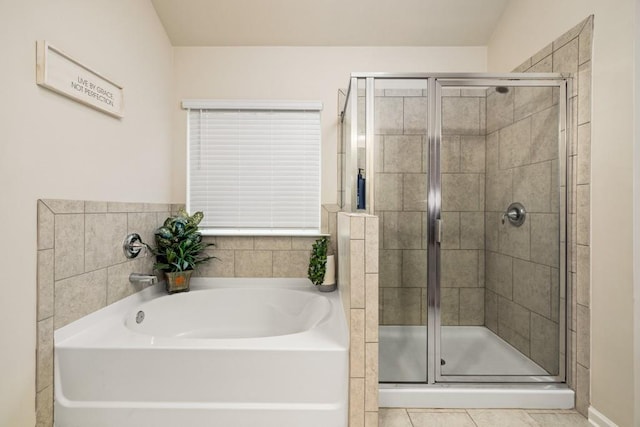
(254, 167)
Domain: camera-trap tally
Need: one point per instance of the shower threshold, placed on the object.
(465, 350)
(507, 396)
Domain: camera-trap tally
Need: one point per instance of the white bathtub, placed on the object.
(230, 353)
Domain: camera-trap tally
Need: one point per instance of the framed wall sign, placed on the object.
(62, 74)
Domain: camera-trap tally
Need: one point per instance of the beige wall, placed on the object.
(525, 28)
(53, 147)
(297, 73)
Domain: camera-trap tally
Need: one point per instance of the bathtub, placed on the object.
(230, 353)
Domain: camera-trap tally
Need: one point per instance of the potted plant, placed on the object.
(320, 272)
(179, 249)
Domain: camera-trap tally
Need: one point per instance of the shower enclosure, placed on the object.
(468, 175)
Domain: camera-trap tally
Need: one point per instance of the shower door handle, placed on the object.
(438, 230)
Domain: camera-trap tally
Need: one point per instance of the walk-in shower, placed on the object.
(468, 175)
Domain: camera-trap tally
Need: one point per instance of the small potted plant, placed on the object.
(320, 272)
(179, 249)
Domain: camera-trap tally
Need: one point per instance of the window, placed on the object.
(253, 167)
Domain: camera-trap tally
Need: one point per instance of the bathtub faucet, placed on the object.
(143, 279)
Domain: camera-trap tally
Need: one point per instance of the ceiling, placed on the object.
(329, 22)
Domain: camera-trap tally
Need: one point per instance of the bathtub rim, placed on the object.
(318, 309)
(105, 328)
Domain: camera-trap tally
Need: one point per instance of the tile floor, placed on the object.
(393, 417)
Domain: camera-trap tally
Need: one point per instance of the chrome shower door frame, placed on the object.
(435, 83)
(351, 151)
(434, 207)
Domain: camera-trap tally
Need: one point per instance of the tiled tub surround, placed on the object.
(266, 256)
(571, 53)
(358, 285)
(81, 268)
(257, 256)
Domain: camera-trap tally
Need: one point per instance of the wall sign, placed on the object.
(62, 74)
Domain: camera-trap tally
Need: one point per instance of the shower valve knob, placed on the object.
(515, 213)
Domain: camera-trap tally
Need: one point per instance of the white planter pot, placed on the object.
(330, 273)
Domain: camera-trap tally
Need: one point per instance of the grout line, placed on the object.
(409, 417)
(84, 242)
(466, 411)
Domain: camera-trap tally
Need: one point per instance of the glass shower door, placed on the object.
(500, 310)
(467, 174)
(400, 179)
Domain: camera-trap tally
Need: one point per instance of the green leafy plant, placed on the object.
(318, 261)
(179, 245)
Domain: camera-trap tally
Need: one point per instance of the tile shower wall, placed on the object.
(358, 281)
(522, 263)
(400, 203)
(462, 165)
(401, 192)
(81, 268)
(571, 53)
